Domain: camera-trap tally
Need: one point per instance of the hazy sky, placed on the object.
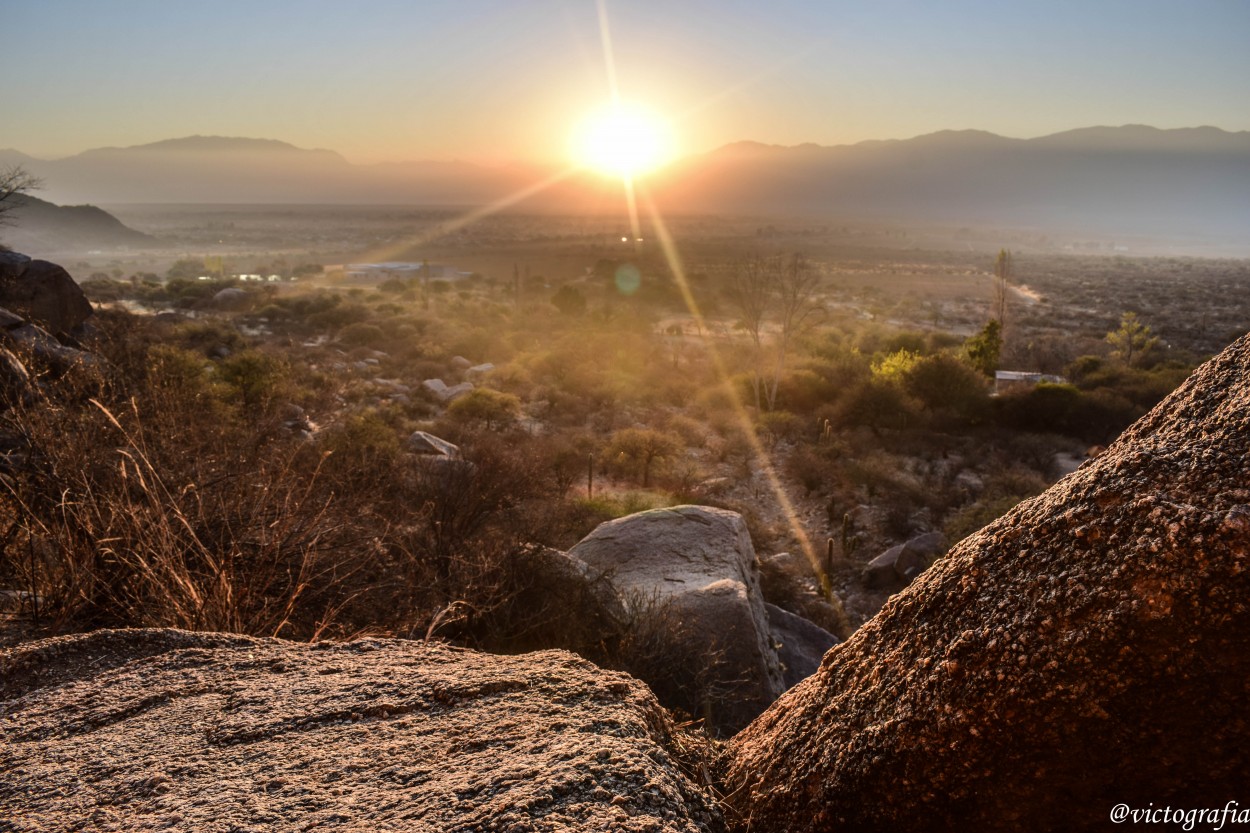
(496, 80)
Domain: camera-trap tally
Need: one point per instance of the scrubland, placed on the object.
(246, 469)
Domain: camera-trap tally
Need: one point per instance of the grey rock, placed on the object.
(460, 363)
(699, 563)
(800, 644)
(146, 730)
(421, 442)
(45, 347)
(478, 371)
(898, 565)
(42, 292)
(230, 298)
(456, 391)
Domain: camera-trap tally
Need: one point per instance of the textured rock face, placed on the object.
(145, 730)
(1089, 649)
(43, 292)
(699, 561)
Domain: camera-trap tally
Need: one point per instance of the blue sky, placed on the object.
(502, 80)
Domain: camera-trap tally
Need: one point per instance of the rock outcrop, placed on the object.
(899, 565)
(42, 292)
(145, 730)
(1089, 649)
(800, 644)
(698, 564)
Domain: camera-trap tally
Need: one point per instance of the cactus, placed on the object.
(850, 541)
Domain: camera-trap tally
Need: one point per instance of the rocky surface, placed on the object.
(1090, 648)
(800, 644)
(699, 563)
(42, 292)
(161, 729)
(899, 565)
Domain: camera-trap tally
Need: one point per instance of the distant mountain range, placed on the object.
(1119, 179)
(1131, 179)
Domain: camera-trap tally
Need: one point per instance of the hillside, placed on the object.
(42, 227)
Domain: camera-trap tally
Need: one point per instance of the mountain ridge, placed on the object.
(1128, 179)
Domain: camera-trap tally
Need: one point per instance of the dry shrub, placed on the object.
(118, 528)
(655, 646)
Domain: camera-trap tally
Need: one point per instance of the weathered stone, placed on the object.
(478, 371)
(421, 442)
(230, 298)
(15, 382)
(900, 564)
(153, 730)
(443, 393)
(800, 644)
(700, 563)
(456, 391)
(42, 292)
(1090, 648)
(460, 363)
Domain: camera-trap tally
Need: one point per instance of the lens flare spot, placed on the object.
(628, 279)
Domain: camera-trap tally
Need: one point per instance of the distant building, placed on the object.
(370, 272)
(1006, 381)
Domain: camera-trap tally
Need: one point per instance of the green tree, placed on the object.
(488, 407)
(187, 268)
(1132, 341)
(569, 300)
(942, 382)
(894, 367)
(256, 376)
(984, 348)
(643, 447)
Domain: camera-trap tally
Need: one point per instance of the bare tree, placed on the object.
(761, 286)
(795, 290)
(750, 290)
(14, 182)
(1003, 268)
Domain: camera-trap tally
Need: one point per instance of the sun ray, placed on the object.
(520, 195)
(609, 59)
(673, 257)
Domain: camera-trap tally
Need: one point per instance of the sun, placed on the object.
(623, 140)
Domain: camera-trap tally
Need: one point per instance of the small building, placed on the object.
(1006, 381)
(379, 272)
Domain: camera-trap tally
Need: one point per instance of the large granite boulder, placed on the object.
(1090, 649)
(696, 564)
(800, 644)
(42, 292)
(161, 729)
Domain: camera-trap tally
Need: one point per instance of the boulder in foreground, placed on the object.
(697, 566)
(1089, 649)
(161, 729)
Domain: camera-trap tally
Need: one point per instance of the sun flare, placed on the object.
(623, 140)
